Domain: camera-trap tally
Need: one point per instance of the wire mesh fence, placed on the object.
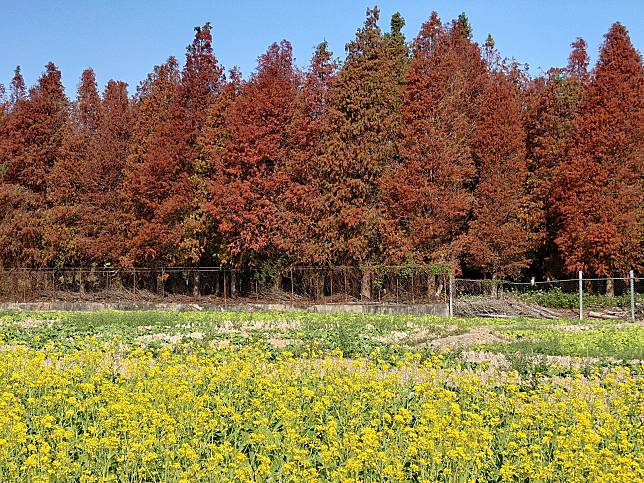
(603, 297)
(500, 288)
(220, 285)
(328, 285)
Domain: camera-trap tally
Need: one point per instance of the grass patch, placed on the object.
(604, 342)
(353, 334)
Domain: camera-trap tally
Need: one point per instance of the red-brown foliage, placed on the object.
(249, 172)
(429, 194)
(553, 101)
(110, 146)
(68, 183)
(151, 110)
(18, 89)
(164, 186)
(600, 196)
(300, 207)
(433, 152)
(84, 194)
(497, 242)
(359, 148)
(29, 145)
(34, 132)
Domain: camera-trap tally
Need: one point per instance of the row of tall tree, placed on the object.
(435, 151)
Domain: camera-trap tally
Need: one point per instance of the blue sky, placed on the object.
(125, 39)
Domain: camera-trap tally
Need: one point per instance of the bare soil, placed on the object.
(477, 335)
(598, 324)
(170, 338)
(31, 323)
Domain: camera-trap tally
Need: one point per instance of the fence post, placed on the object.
(581, 295)
(451, 295)
(632, 280)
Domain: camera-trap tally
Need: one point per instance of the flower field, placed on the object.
(303, 397)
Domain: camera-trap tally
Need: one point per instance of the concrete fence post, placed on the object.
(581, 295)
(631, 276)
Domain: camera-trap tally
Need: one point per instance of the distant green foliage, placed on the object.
(558, 299)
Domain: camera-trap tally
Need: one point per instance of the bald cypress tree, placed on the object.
(498, 241)
(104, 221)
(300, 205)
(429, 194)
(165, 233)
(151, 109)
(552, 104)
(67, 183)
(4, 107)
(30, 142)
(37, 127)
(18, 89)
(363, 116)
(88, 101)
(250, 177)
(600, 196)
(214, 141)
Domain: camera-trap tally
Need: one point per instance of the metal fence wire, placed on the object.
(327, 285)
(220, 285)
(500, 288)
(603, 297)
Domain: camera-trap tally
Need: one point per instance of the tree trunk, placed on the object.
(163, 280)
(292, 283)
(233, 283)
(195, 286)
(365, 286)
(439, 289)
(220, 284)
(318, 281)
(277, 282)
(495, 287)
(159, 282)
(431, 285)
(186, 280)
(610, 287)
(81, 282)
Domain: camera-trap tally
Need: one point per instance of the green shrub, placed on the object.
(558, 299)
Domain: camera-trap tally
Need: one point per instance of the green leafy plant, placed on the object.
(558, 299)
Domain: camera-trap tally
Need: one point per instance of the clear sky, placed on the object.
(124, 39)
